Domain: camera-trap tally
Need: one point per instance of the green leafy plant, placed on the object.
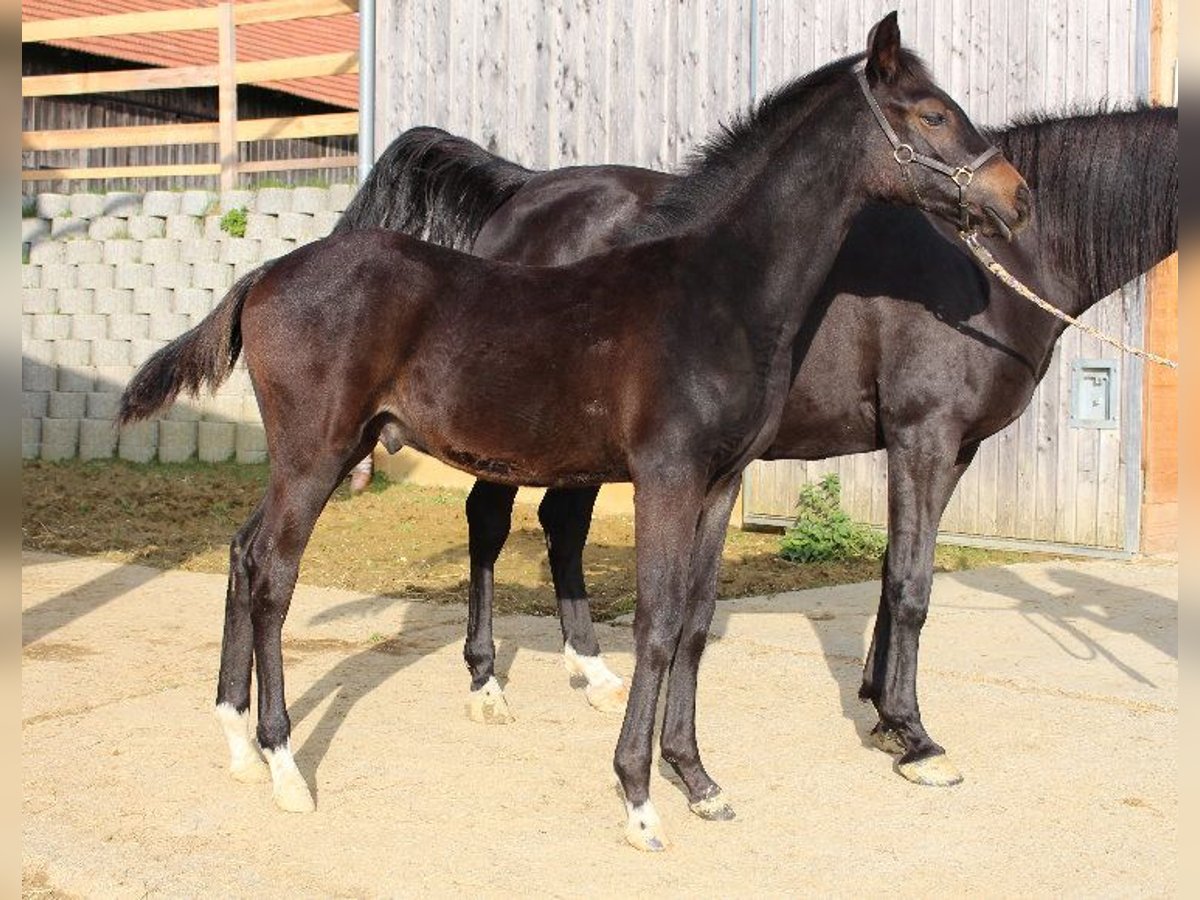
(233, 222)
(823, 531)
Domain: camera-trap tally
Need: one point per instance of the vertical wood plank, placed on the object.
(227, 96)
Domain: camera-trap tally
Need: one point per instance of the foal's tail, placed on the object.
(434, 186)
(203, 355)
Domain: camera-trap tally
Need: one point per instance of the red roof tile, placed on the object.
(262, 40)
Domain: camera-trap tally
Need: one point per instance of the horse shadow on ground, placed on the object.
(1143, 614)
(47, 617)
(842, 629)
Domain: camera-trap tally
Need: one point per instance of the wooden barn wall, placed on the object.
(162, 108)
(561, 82)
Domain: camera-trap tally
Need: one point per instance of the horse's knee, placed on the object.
(909, 603)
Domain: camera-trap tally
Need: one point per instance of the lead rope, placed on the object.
(971, 239)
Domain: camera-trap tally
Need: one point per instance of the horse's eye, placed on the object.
(933, 119)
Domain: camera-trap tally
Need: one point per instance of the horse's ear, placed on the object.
(883, 49)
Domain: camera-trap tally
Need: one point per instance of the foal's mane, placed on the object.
(1109, 182)
(721, 167)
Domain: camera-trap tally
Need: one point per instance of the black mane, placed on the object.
(721, 166)
(1110, 183)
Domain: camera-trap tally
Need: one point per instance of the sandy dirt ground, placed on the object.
(1054, 686)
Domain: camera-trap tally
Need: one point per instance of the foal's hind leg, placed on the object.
(489, 519)
(293, 502)
(566, 515)
(679, 745)
(920, 482)
(237, 658)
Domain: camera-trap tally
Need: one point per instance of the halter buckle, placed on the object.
(904, 154)
(962, 176)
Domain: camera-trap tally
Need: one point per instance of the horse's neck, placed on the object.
(788, 230)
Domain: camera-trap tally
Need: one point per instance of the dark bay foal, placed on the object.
(1107, 186)
(664, 362)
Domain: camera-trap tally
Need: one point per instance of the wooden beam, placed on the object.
(191, 133)
(180, 19)
(297, 127)
(227, 152)
(290, 165)
(283, 10)
(125, 136)
(187, 76)
(297, 67)
(125, 23)
(150, 171)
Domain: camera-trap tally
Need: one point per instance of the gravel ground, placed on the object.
(1054, 685)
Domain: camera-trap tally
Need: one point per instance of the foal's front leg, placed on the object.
(565, 515)
(666, 512)
(679, 745)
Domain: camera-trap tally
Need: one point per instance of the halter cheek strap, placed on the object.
(905, 155)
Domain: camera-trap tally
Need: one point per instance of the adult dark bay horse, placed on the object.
(665, 362)
(1107, 186)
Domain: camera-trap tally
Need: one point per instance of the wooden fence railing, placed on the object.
(226, 75)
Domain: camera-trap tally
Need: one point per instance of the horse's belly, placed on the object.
(513, 449)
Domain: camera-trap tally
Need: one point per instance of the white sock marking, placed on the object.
(243, 751)
(592, 668)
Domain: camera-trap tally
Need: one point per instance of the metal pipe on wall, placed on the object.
(366, 88)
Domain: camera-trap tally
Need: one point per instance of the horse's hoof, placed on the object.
(608, 698)
(887, 739)
(292, 795)
(714, 808)
(644, 830)
(488, 705)
(250, 770)
(933, 771)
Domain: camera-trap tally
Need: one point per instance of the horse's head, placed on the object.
(929, 153)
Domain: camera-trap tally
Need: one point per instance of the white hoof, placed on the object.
(643, 828)
(289, 787)
(488, 705)
(605, 691)
(932, 771)
(253, 770)
(245, 762)
(608, 698)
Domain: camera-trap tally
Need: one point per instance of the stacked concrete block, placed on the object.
(84, 251)
(97, 438)
(340, 196)
(261, 226)
(138, 442)
(109, 279)
(273, 201)
(215, 441)
(161, 203)
(197, 203)
(122, 204)
(177, 441)
(184, 228)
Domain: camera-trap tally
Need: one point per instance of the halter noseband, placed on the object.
(904, 154)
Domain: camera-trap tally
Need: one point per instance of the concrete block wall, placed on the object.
(108, 279)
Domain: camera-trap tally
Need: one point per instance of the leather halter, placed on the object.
(905, 155)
